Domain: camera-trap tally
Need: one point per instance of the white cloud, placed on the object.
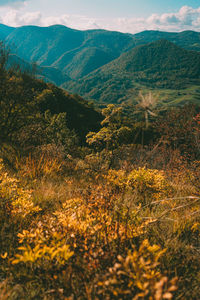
(187, 18)
(73, 21)
(16, 18)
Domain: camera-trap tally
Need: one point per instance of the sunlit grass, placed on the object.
(87, 232)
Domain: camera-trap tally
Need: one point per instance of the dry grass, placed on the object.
(98, 216)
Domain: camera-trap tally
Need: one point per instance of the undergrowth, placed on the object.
(128, 233)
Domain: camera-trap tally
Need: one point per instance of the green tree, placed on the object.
(17, 107)
(113, 132)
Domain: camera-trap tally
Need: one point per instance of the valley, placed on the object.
(110, 67)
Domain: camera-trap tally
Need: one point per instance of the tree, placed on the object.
(23, 124)
(16, 100)
(178, 129)
(113, 131)
(197, 131)
(146, 104)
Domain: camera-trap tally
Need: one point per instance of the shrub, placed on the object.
(147, 184)
(137, 276)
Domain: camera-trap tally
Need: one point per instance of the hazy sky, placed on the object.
(122, 15)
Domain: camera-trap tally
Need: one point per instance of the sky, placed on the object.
(121, 15)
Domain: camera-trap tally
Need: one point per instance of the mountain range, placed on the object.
(107, 66)
(160, 64)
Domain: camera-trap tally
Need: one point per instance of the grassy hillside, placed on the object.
(157, 65)
(115, 223)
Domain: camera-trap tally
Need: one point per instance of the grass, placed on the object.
(167, 97)
(84, 233)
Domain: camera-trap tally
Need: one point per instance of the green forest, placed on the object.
(97, 201)
(159, 66)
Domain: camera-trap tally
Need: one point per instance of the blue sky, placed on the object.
(122, 15)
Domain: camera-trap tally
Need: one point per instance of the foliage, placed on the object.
(42, 166)
(151, 184)
(147, 184)
(16, 202)
(42, 250)
(157, 65)
(113, 221)
(113, 131)
(95, 241)
(177, 128)
(16, 206)
(137, 276)
(16, 106)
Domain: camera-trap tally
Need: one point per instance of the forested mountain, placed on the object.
(31, 110)
(105, 65)
(59, 46)
(48, 74)
(99, 204)
(77, 53)
(189, 40)
(80, 62)
(159, 64)
(5, 31)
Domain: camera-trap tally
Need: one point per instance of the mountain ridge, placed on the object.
(65, 48)
(74, 59)
(160, 64)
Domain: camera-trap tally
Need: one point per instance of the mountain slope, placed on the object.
(48, 74)
(84, 61)
(22, 88)
(5, 31)
(76, 53)
(160, 64)
(61, 47)
(44, 44)
(189, 40)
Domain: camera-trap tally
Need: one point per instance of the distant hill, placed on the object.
(81, 62)
(77, 53)
(5, 31)
(189, 40)
(44, 44)
(48, 74)
(106, 65)
(159, 64)
(74, 51)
